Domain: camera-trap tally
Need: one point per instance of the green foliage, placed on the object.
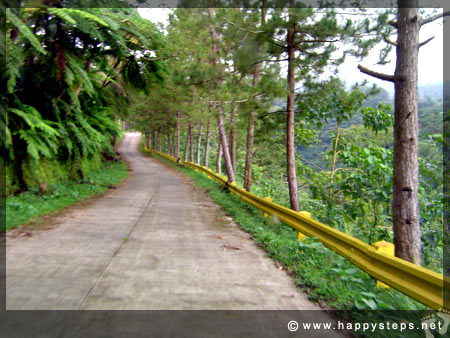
(48, 170)
(25, 31)
(71, 73)
(40, 135)
(28, 207)
(343, 134)
(328, 278)
(379, 118)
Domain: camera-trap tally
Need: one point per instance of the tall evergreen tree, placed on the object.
(405, 203)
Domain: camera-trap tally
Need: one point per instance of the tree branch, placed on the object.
(274, 112)
(241, 28)
(380, 76)
(313, 41)
(433, 18)
(426, 41)
(278, 44)
(105, 83)
(221, 77)
(393, 23)
(387, 40)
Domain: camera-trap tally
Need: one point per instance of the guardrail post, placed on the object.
(388, 249)
(269, 199)
(301, 236)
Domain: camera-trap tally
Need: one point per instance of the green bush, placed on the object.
(29, 206)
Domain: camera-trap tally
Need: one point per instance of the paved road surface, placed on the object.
(154, 243)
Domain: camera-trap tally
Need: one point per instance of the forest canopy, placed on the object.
(224, 99)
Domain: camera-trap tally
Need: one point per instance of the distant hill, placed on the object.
(430, 120)
(434, 91)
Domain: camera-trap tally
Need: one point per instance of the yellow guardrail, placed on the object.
(422, 284)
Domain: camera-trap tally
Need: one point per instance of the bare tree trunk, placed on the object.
(186, 149)
(172, 147)
(250, 136)
(199, 135)
(18, 164)
(178, 131)
(168, 143)
(220, 119)
(199, 141)
(208, 133)
(233, 136)
(251, 120)
(224, 142)
(113, 141)
(333, 166)
(405, 203)
(219, 159)
(191, 145)
(159, 139)
(153, 140)
(147, 140)
(290, 122)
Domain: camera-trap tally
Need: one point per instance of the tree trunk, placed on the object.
(113, 142)
(251, 119)
(168, 143)
(220, 120)
(178, 131)
(219, 159)
(333, 165)
(250, 136)
(153, 140)
(290, 122)
(186, 149)
(199, 141)
(233, 136)
(147, 140)
(224, 142)
(405, 203)
(159, 139)
(18, 160)
(191, 145)
(172, 150)
(208, 133)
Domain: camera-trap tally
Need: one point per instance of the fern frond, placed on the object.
(14, 61)
(86, 15)
(80, 75)
(63, 14)
(25, 31)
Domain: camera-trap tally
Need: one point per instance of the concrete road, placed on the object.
(157, 242)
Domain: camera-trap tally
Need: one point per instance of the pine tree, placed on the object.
(405, 203)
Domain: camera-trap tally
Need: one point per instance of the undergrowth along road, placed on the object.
(29, 207)
(328, 278)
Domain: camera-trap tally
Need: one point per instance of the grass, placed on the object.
(329, 279)
(27, 208)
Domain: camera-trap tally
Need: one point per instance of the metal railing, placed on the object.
(419, 283)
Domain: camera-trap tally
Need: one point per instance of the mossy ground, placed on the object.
(29, 206)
